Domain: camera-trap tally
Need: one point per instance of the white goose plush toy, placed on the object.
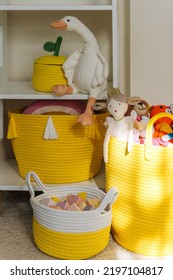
(86, 69)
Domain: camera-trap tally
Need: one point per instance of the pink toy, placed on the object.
(74, 199)
(71, 107)
(64, 205)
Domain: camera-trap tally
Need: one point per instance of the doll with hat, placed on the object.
(118, 125)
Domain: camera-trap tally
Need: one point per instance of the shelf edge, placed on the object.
(59, 8)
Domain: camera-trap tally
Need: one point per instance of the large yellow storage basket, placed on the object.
(75, 156)
(47, 72)
(70, 234)
(143, 214)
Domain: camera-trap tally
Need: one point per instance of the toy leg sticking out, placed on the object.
(86, 69)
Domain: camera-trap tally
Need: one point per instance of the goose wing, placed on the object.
(70, 64)
(101, 72)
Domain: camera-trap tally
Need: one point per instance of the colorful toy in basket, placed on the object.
(72, 202)
(47, 70)
(70, 234)
(118, 125)
(86, 69)
(162, 126)
(140, 106)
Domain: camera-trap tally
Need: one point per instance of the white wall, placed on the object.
(124, 45)
(151, 54)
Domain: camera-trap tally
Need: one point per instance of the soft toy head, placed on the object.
(140, 106)
(159, 109)
(69, 23)
(117, 104)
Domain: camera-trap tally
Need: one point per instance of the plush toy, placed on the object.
(117, 125)
(163, 125)
(140, 106)
(86, 69)
(100, 107)
(69, 107)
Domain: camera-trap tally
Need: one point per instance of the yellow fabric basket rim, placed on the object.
(50, 60)
(18, 112)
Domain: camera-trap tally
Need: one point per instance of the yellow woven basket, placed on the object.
(47, 72)
(70, 234)
(143, 214)
(75, 156)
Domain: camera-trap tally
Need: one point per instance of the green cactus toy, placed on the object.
(53, 47)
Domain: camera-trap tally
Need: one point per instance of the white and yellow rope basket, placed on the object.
(143, 214)
(47, 72)
(76, 154)
(70, 234)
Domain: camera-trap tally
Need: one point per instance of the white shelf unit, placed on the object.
(16, 91)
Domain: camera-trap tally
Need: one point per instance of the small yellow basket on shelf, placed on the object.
(143, 214)
(47, 70)
(70, 234)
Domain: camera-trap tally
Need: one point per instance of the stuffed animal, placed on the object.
(117, 124)
(163, 125)
(100, 107)
(140, 106)
(86, 69)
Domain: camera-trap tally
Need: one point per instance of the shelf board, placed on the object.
(11, 180)
(24, 90)
(54, 7)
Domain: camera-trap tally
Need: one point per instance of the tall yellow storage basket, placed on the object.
(76, 155)
(70, 234)
(143, 214)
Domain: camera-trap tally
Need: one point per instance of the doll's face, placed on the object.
(117, 108)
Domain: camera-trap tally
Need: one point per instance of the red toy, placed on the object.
(163, 125)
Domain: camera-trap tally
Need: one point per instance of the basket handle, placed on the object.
(148, 145)
(109, 198)
(39, 183)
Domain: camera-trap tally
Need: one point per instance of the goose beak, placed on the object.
(59, 24)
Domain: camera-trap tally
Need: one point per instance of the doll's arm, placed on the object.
(105, 148)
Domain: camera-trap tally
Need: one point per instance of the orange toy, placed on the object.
(163, 125)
